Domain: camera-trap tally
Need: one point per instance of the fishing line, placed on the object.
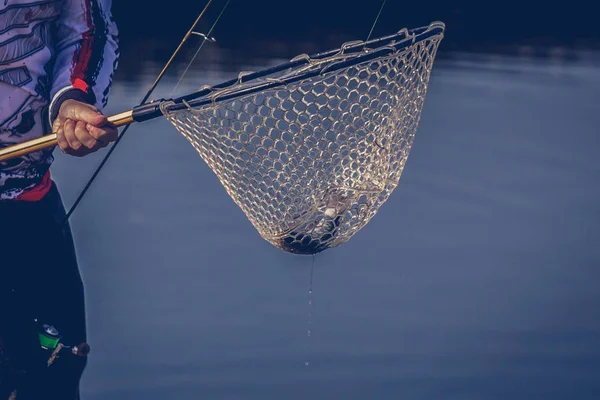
(376, 19)
(310, 316)
(144, 99)
(206, 37)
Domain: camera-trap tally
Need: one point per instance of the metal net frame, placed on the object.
(311, 149)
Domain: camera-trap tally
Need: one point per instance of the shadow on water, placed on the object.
(476, 280)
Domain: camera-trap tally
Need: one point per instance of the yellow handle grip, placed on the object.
(47, 141)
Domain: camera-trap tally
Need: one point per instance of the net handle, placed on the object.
(48, 141)
(140, 113)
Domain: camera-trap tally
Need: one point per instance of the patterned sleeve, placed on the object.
(86, 54)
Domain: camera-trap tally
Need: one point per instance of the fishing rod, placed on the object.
(49, 337)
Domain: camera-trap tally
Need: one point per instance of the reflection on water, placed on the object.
(477, 279)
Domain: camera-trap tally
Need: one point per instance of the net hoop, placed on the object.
(348, 54)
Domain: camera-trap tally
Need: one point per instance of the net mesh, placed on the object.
(311, 160)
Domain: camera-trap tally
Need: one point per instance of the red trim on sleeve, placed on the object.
(80, 84)
(82, 55)
(37, 192)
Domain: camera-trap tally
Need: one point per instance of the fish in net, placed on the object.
(312, 150)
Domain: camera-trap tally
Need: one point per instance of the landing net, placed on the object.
(312, 148)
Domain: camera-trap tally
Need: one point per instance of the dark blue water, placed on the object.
(478, 279)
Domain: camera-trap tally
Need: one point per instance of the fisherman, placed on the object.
(57, 60)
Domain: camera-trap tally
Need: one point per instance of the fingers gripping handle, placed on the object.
(45, 142)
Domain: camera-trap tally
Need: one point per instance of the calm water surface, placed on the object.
(478, 279)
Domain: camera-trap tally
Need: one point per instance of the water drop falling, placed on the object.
(308, 331)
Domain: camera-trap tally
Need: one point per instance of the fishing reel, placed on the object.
(47, 348)
(49, 339)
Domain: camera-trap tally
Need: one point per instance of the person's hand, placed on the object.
(81, 129)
